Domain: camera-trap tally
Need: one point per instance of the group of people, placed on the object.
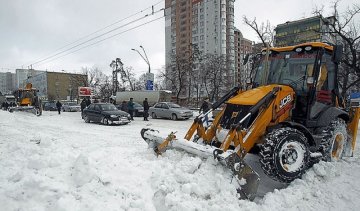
(130, 108)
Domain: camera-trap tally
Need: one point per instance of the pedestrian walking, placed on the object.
(205, 107)
(83, 105)
(58, 106)
(146, 109)
(88, 101)
(131, 108)
(124, 106)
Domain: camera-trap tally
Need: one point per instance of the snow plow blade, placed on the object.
(30, 109)
(247, 179)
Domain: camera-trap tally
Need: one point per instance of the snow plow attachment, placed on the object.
(247, 179)
(30, 109)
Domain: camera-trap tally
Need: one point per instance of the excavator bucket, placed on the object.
(247, 179)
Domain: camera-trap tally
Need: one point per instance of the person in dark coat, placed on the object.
(146, 109)
(83, 105)
(124, 106)
(58, 106)
(205, 107)
(88, 102)
(131, 108)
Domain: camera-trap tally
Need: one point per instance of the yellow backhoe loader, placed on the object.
(293, 116)
(27, 100)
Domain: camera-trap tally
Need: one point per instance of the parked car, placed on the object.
(169, 110)
(50, 106)
(105, 113)
(71, 106)
(139, 109)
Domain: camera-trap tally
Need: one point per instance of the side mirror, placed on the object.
(337, 53)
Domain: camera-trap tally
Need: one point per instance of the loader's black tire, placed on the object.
(334, 139)
(285, 154)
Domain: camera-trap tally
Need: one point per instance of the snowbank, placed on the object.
(58, 162)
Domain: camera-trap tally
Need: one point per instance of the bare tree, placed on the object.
(264, 31)
(105, 88)
(176, 75)
(128, 76)
(345, 27)
(139, 84)
(213, 75)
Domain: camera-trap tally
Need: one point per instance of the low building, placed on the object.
(58, 85)
(311, 29)
(7, 82)
(22, 74)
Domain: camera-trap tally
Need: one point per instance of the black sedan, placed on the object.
(106, 114)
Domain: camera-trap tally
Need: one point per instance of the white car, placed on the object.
(169, 110)
(71, 106)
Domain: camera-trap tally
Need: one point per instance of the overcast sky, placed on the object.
(32, 30)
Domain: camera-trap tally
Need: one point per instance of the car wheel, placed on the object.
(86, 119)
(105, 121)
(173, 117)
(136, 113)
(153, 115)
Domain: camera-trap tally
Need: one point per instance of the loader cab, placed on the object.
(309, 69)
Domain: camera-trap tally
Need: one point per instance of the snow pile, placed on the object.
(58, 162)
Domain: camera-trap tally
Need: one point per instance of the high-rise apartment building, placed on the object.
(311, 29)
(243, 47)
(206, 24)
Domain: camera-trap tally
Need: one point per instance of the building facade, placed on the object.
(305, 30)
(205, 25)
(243, 49)
(58, 86)
(22, 74)
(7, 82)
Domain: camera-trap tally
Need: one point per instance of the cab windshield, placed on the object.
(289, 68)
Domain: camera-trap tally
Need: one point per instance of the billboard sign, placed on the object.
(85, 91)
(149, 85)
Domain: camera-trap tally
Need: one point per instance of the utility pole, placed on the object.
(149, 75)
(117, 66)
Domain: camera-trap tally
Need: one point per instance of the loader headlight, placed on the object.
(113, 116)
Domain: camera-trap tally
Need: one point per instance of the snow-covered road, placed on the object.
(58, 162)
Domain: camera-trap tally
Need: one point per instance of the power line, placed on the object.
(52, 54)
(101, 40)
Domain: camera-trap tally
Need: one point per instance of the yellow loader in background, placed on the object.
(292, 117)
(27, 100)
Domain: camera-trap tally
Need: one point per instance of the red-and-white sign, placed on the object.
(85, 91)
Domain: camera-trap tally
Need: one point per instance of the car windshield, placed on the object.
(173, 105)
(290, 68)
(72, 104)
(108, 107)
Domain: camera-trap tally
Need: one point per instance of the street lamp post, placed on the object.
(149, 75)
